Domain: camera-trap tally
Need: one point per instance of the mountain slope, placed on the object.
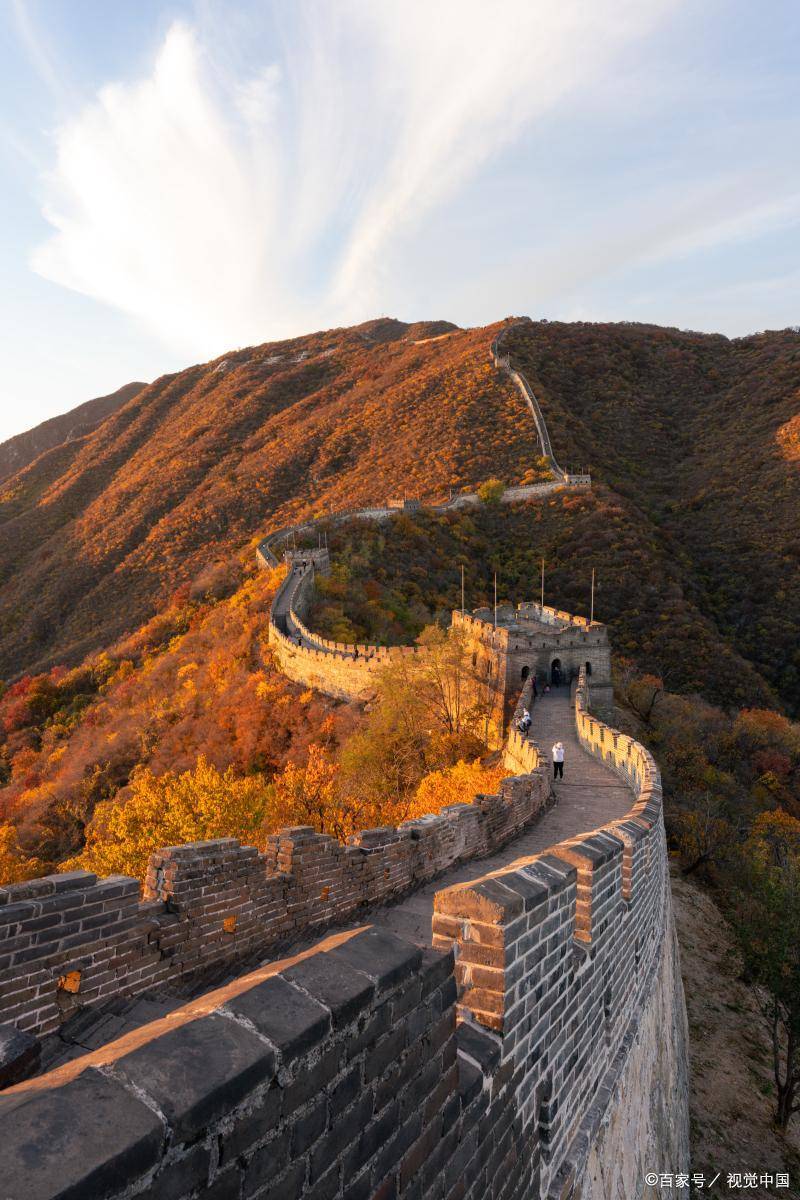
(700, 434)
(93, 538)
(20, 451)
(692, 441)
(691, 438)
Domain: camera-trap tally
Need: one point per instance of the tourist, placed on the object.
(558, 760)
(525, 721)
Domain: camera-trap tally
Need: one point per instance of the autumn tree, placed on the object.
(15, 864)
(641, 692)
(705, 834)
(168, 810)
(458, 784)
(491, 491)
(764, 908)
(306, 794)
(431, 710)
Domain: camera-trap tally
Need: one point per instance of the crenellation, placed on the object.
(216, 901)
(555, 954)
(484, 1068)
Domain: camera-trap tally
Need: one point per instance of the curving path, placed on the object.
(282, 610)
(590, 795)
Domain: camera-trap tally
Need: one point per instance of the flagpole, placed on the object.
(542, 583)
(591, 618)
(495, 599)
(462, 590)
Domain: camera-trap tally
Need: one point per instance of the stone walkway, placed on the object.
(280, 612)
(589, 795)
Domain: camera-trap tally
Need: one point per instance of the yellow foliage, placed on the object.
(14, 863)
(774, 838)
(307, 795)
(170, 809)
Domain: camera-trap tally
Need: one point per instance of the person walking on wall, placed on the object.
(558, 760)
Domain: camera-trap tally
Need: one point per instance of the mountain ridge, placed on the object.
(96, 533)
(19, 451)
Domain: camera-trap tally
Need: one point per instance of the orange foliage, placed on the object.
(458, 784)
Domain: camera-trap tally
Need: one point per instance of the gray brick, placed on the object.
(199, 1072)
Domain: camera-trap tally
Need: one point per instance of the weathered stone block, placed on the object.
(182, 1176)
(281, 1012)
(82, 1134)
(335, 983)
(199, 1071)
(384, 958)
(19, 1055)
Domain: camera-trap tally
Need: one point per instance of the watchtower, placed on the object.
(533, 639)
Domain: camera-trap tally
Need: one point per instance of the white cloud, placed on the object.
(258, 99)
(219, 208)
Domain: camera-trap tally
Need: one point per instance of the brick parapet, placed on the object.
(72, 940)
(556, 954)
(375, 656)
(337, 1073)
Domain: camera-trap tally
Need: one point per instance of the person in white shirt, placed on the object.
(558, 760)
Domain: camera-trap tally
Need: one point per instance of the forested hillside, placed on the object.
(389, 580)
(20, 451)
(139, 688)
(94, 535)
(695, 434)
(701, 434)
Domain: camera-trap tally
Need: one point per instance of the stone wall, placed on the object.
(537, 1053)
(503, 363)
(521, 750)
(508, 655)
(337, 1073)
(72, 940)
(640, 1121)
(346, 672)
(570, 958)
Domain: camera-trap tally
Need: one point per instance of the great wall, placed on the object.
(484, 1003)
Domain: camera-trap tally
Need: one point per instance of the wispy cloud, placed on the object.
(219, 207)
(37, 51)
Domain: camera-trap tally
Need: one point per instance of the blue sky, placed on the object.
(184, 178)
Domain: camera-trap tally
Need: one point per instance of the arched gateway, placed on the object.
(533, 639)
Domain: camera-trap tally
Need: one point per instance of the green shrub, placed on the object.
(491, 491)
